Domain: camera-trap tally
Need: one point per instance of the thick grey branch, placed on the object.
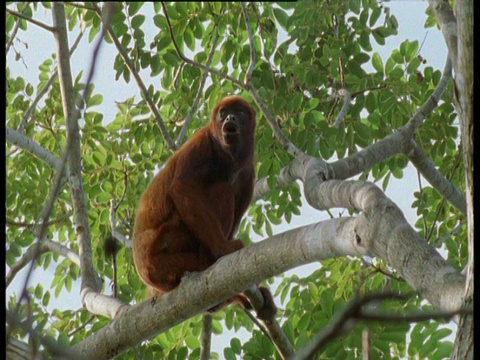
(448, 24)
(393, 241)
(73, 150)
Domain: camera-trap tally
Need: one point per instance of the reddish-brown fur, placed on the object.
(191, 210)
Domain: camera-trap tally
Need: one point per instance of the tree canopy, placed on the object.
(336, 122)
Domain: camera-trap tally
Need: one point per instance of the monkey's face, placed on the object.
(234, 124)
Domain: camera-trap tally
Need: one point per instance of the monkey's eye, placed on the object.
(222, 113)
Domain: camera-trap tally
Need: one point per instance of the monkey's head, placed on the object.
(233, 125)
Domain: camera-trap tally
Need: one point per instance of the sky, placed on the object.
(411, 18)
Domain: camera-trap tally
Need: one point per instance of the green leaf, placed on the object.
(46, 298)
(95, 100)
(281, 17)
(355, 6)
(216, 327)
(413, 65)
(370, 102)
(364, 41)
(362, 130)
(229, 354)
(189, 39)
(133, 7)
(137, 21)
(103, 198)
(428, 347)
(379, 36)
(361, 58)
(192, 342)
(160, 22)
(377, 62)
(385, 181)
(171, 59)
(38, 291)
(441, 333)
(396, 337)
(396, 73)
(444, 350)
(411, 50)
(236, 345)
(375, 15)
(397, 56)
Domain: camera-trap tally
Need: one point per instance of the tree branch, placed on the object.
(206, 336)
(347, 101)
(45, 88)
(33, 21)
(286, 143)
(150, 103)
(95, 302)
(439, 182)
(448, 24)
(15, 28)
(251, 65)
(394, 240)
(273, 329)
(213, 71)
(25, 143)
(355, 312)
(189, 117)
(432, 102)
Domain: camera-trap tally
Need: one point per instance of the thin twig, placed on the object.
(342, 323)
(107, 12)
(234, 81)
(42, 221)
(125, 188)
(347, 101)
(439, 182)
(141, 85)
(286, 143)
(115, 233)
(445, 237)
(412, 317)
(73, 332)
(432, 102)
(45, 88)
(15, 29)
(189, 117)
(33, 21)
(58, 220)
(251, 65)
(379, 87)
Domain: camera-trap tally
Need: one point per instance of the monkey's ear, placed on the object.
(111, 246)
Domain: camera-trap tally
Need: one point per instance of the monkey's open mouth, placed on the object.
(230, 128)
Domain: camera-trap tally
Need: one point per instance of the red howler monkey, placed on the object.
(191, 210)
